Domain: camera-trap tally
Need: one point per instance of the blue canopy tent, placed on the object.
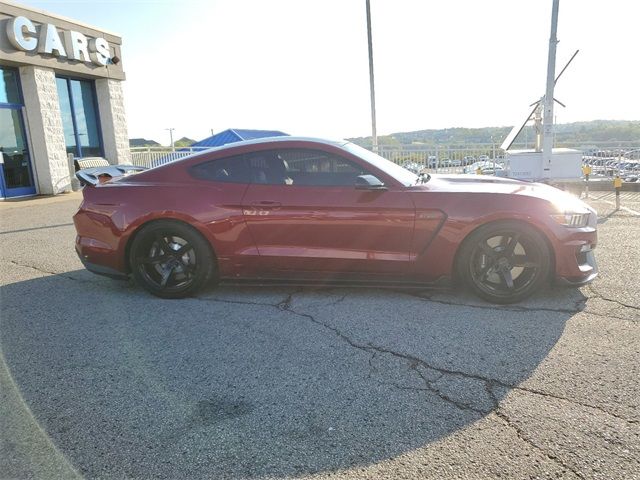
(236, 135)
(231, 135)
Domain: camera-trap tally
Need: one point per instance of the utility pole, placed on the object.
(374, 135)
(547, 121)
(171, 136)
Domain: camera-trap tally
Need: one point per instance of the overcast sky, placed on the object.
(301, 66)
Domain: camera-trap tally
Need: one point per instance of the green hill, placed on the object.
(142, 142)
(184, 142)
(567, 133)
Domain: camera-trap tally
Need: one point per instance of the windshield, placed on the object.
(402, 175)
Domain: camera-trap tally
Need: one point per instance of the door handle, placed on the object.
(266, 204)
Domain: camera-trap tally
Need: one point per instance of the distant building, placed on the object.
(60, 94)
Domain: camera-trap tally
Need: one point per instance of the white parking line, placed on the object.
(633, 212)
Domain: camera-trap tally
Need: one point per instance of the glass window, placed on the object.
(86, 117)
(228, 170)
(79, 117)
(9, 92)
(304, 168)
(401, 174)
(67, 120)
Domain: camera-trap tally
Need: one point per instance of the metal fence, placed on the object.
(459, 159)
(154, 156)
(439, 159)
(436, 159)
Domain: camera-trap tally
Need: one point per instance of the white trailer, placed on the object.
(565, 164)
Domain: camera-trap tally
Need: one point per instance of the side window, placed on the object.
(303, 168)
(228, 170)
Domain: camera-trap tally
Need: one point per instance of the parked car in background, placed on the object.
(468, 160)
(627, 167)
(492, 168)
(291, 209)
(632, 155)
(486, 167)
(414, 167)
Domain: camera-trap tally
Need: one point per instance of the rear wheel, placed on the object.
(170, 259)
(504, 262)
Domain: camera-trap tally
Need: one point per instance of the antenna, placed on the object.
(565, 67)
(515, 131)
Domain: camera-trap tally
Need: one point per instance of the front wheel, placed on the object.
(170, 259)
(504, 262)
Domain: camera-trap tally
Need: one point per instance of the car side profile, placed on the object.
(291, 209)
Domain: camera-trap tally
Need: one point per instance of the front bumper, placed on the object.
(589, 270)
(575, 259)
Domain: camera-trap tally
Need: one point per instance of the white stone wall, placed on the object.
(113, 120)
(46, 135)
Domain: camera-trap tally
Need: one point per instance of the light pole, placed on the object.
(374, 135)
(171, 136)
(493, 148)
(547, 119)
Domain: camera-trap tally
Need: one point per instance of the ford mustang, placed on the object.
(300, 210)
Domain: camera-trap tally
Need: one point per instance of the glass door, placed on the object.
(16, 176)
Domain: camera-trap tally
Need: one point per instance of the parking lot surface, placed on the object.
(98, 379)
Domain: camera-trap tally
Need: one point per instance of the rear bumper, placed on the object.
(100, 269)
(99, 244)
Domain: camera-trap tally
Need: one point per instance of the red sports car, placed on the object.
(298, 210)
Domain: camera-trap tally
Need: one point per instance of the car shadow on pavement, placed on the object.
(261, 382)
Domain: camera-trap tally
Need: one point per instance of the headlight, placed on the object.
(571, 219)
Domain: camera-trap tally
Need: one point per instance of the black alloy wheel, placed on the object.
(170, 259)
(504, 262)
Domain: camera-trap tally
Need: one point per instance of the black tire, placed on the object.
(170, 259)
(504, 262)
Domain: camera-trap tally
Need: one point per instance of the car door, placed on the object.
(306, 217)
(218, 189)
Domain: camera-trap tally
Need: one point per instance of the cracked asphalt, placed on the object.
(100, 380)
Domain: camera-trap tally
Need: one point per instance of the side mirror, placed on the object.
(369, 182)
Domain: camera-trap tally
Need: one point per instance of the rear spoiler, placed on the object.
(92, 176)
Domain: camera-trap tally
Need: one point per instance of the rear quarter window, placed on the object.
(226, 170)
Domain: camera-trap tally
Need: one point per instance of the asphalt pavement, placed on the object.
(98, 379)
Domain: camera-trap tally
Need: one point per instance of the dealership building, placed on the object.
(60, 99)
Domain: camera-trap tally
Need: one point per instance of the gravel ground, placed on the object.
(100, 380)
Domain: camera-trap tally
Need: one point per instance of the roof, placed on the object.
(256, 141)
(277, 139)
(233, 135)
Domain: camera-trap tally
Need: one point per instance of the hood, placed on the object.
(563, 201)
